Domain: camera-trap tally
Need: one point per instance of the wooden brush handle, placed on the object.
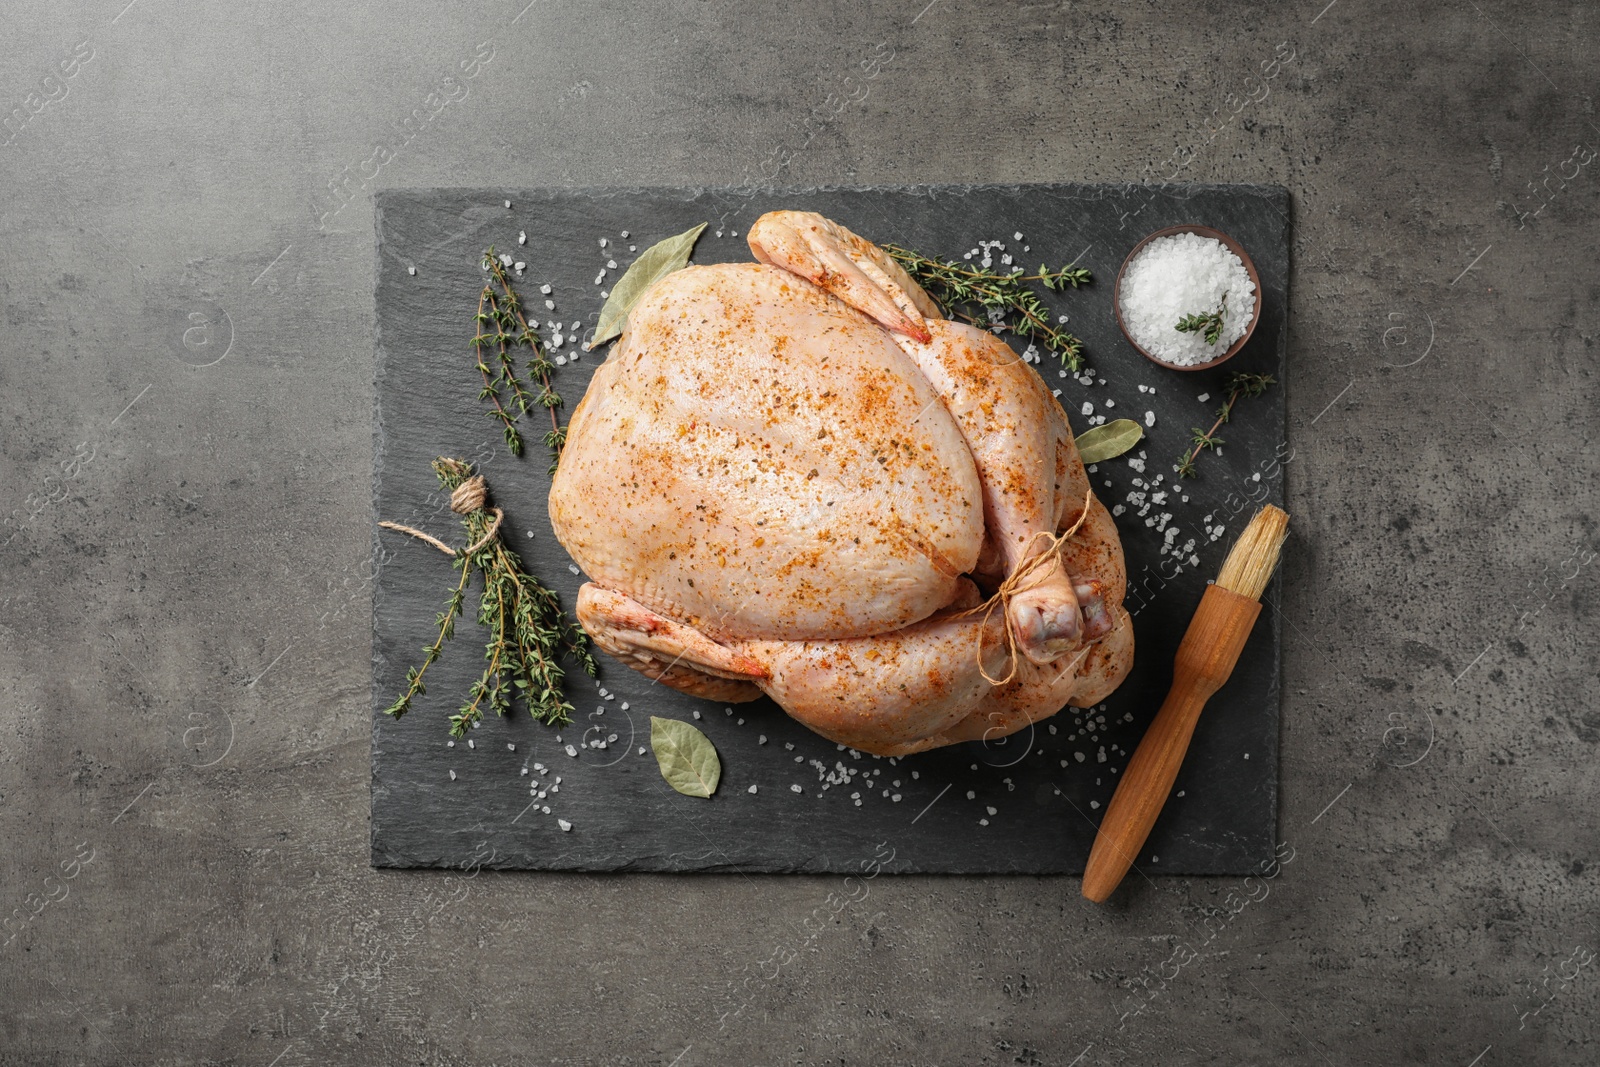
(1205, 659)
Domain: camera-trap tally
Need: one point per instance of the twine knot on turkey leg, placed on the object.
(1034, 570)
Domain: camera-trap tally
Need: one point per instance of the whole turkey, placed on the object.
(796, 477)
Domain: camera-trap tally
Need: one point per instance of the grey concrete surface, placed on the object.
(185, 396)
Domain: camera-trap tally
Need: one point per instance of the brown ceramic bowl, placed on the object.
(1233, 246)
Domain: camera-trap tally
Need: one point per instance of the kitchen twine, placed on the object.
(1033, 571)
(468, 497)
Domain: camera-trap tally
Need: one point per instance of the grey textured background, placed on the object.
(184, 653)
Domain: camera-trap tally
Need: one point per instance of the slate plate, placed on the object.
(1028, 804)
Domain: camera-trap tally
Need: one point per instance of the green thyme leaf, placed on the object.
(1108, 441)
(1210, 323)
(687, 757)
(995, 300)
(655, 263)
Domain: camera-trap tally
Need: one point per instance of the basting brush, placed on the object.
(1205, 659)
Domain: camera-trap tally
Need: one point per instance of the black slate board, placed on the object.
(1028, 804)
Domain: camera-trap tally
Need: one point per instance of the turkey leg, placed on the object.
(1032, 481)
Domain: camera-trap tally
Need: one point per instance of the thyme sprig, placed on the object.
(993, 300)
(528, 632)
(503, 328)
(1238, 387)
(1210, 323)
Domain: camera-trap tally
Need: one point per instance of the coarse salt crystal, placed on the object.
(1149, 418)
(566, 827)
(752, 789)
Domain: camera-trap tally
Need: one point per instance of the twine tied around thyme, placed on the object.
(1032, 571)
(528, 634)
(466, 498)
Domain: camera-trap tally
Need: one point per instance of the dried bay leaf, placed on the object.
(655, 263)
(1108, 441)
(687, 758)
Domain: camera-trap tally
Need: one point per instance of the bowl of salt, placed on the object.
(1188, 297)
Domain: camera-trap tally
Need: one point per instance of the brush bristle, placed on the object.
(1249, 566)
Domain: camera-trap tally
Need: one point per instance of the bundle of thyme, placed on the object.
(1239, 386)
(989, 299)
(501, 329)
(528, 632)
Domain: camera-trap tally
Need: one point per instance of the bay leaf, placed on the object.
(1108, 441)
(687, 758)
(655, 263)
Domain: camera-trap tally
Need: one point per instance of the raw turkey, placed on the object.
(796, 477)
